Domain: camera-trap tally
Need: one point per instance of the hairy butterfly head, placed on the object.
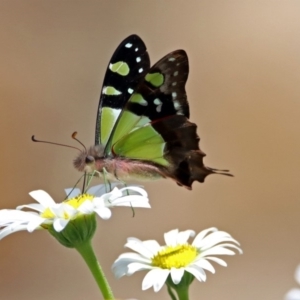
(86, 160)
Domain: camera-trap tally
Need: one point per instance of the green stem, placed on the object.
(171, 293)
(183, 293)
(87, 253)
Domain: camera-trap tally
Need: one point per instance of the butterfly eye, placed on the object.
(89, 159)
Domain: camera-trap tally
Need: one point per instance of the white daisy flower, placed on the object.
(176, 257)
(294, 294)
(131, 196)
(47, 213)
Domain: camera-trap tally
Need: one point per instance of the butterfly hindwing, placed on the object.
(129, 63)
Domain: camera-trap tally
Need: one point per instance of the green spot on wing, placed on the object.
(111, 91)
(156, 79)
(138, 98)
(120, 67)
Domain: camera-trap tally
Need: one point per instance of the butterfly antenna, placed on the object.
(52, 143)
(76, 139)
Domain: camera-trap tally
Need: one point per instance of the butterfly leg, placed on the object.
(106, 181)
(127, 192)
(74, 187)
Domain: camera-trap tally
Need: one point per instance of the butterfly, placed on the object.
(143, 130)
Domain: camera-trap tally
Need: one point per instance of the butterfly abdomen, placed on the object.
(124, 169)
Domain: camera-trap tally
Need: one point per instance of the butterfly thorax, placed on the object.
(115, 167)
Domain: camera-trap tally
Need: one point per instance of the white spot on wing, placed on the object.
(174, 83)
(138, 59)
(128, 45)
(174, 95)
(158, 108)
(171, 59)
(157, 101)
(176, 105)
(175, 73)
(159, 104)
(130, 91)
(140, 70)
(136, 49)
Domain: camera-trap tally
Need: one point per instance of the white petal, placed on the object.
(201, 235)
(134, 267)
(72, 192)
(119, 269)
(60, 224)
(13, 215)
(205, 264)
(87, 207)
(34, 206)
(155, 278)
(63, 209)
(120, 266)
(293, 294)
(171, 237)
(34, 224)
(177, 274)
(139, 190)
(130, 257)
(216, 238)
(103, 212)
(42, 197)
(114, 194)
(132, 200)
(152, 245)
(138, 246)
(100, 189)
(217, 260)
(8, 230)
(220, 250)
(97, 190)
(197, 272)
(297, 274)
(183, 236)
(98, 202)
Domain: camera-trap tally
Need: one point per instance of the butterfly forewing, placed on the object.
(129, 63)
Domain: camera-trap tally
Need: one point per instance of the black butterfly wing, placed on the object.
(129, 63)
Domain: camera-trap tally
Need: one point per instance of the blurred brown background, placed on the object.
(244, 94)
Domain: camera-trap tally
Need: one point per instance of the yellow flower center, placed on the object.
(175, 256)
(74, 202)
(47, 214)
(78, 200)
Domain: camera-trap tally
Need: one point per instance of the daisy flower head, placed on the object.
(79, 209)
(178, 262)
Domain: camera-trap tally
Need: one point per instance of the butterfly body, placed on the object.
(115, 168)
(142, 128)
